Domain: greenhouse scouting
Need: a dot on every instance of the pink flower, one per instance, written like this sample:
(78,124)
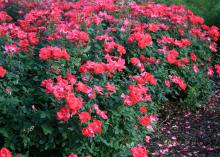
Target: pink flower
(73,155)
(195,68)
(153,118)
(139,151)
(150,128)
(4,152)
(63,114)
(217,68)
(210,71)
(71,78)
(179,81)
(110,87)
(13,48)
(99,112)
(98,89)
(167,83)
(147,139)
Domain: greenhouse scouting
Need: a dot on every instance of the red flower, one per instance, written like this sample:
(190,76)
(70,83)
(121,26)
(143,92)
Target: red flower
(182,85)
(63,114)
(2,72)
(185,60)
(83,87)
(217,67)
(145,40)
(53,52)
(181,31)
(214,32)
(96,126)
(139,151)
(84,117)
(92,128)
(149,78)
(171,59)
(24,43)
(142,39)
(83,36)
(4,152)
(137,93)
(145,121)
(45,53)
(73,155)
(196,19)
(71,78)
(152,27)
(171,56)
(33,39)
(77,35)
(58,53)
(83,69)
(134,61)
(74,102)
(87,132)
(193,57)
(99,68)
(143,109)
(4,16)
(121,50)
(179,81)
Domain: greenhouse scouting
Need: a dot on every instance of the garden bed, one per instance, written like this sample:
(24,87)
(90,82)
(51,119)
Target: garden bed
(189,133)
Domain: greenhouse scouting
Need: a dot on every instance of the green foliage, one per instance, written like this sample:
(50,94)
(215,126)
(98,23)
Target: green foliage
(29,121)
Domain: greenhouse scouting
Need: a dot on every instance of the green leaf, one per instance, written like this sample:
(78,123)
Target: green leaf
(4,132)
(47,129)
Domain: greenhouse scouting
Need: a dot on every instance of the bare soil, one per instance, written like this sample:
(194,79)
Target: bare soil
(186,134)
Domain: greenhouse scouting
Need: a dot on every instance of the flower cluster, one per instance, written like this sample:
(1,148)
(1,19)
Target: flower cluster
(92,128)
(143,39)
(137,93)
(177,80)
(53,53)
(113,64)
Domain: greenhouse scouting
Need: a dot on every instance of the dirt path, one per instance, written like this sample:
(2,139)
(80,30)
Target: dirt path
(190,134)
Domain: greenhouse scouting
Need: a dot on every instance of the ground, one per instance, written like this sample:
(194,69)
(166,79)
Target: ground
(195,134)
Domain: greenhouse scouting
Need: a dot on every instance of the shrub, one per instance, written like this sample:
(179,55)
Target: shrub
(87,77)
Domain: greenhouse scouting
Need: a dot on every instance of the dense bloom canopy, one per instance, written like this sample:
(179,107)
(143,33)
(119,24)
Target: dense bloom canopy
(101,68)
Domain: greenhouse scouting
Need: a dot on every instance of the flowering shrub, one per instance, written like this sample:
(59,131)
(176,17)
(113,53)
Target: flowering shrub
(86,78)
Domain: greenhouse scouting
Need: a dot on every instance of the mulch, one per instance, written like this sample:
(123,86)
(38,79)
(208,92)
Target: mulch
(187,134)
